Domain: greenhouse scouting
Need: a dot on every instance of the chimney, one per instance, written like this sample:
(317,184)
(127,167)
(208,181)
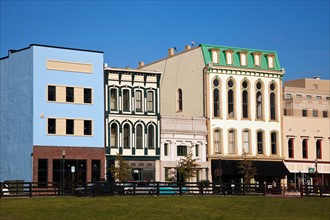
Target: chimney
(187,47)
(317,77)
(141,64)
(170,52)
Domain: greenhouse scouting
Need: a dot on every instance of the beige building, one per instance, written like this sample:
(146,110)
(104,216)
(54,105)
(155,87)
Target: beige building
(306,130)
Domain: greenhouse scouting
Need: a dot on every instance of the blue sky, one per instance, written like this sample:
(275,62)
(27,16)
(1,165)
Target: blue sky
(132,31)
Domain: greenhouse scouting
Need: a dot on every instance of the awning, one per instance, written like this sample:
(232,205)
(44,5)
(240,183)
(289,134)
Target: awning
(264,168)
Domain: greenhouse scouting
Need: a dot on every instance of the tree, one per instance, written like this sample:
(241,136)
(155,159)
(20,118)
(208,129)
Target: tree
(120,171)
(186,168)
(247,169)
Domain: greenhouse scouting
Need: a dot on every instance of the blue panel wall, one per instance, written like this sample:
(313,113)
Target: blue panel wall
(16,130)
(43,77)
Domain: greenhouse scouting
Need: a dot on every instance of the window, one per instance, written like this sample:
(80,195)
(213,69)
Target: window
(305,148)
(291,147)
(217,141)
(325,113)
(243,58)
(319,149)
(151,136)
(139,137)
(232,142)
(138,101)
(87,127)
(230,99)
(298,96)
(257,59)
(126,102)
(113,100)
(270,61)
(215,53)
(87,95)
(260,142)
(114,135)
(216,104)
(304,113)
(179,107)
(166,149)
(259,105)
(327,98)
(51,93)
(51,126)
(197,150)
(272,101)
(150,100)
(308,96)
(315,113)
(181,150)
(273,138)
(69,126)
(69,94)
(318,97)
(288,95)
(127,135)
(229,57)
(245,100)
(42,172)
(246,142)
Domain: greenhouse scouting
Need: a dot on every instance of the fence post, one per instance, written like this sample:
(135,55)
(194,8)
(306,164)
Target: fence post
(223,189)
(265,189)
(157,185)
(180,188)
(243,189)
(301,190)
(30,189)
(201,188)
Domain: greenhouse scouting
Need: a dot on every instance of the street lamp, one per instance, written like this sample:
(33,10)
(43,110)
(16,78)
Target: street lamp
(317,179)
(63,166)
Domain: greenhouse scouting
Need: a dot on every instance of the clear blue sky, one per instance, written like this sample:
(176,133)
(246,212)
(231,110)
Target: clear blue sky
(132,31)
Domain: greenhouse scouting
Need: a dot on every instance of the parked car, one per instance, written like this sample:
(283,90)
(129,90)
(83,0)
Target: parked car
(171,189)
(140,188)
(92,189)
(4,189)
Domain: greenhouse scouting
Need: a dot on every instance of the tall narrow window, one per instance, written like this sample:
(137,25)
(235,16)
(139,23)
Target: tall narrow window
(151,136)
(270,61)
(315,113)
(126,102)
(259,101)
(87,95)
(319,149)
(216,106)
(127,135)
(245,100)
(229,57)
(113,99)
(304,113)
(51,126)
(139,136)
(196,150)
(114,135)
(230,99)
(150,100)
(305,148)
(260,142)
(257,59)
(69,94)
(166,149)
(273,138)
(243,58)
(291,147)
(69,126)
(246,142)
(180,101)
(51,93)
(272,100)
(232,142)
(87,127)
(138,101)
(217,141)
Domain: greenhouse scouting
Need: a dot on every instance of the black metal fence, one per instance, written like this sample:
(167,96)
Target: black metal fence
(29,189)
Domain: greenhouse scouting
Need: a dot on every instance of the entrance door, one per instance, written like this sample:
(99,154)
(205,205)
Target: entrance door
(136,173)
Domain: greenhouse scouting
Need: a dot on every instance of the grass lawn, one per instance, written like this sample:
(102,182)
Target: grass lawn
(165,207)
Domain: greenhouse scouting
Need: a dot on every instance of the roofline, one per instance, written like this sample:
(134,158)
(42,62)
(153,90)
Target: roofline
(50,46)
(131,70)
(239,48)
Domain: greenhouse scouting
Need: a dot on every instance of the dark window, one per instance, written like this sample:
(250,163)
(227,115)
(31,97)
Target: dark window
(51,126)
(245,104)
(139,137)
(318,149)
(138,101)
(151,137)
(315,113)
(126,136)
(304,113)
(96,170)
(291,147)
(69,126)
(272,106)
(126,102)
(273,142)
(260,142)
(216,83)
(51,93)
(305,148)
(42,172)
(69,94)
(230,103)
(114,135)
(87,95)
(197,150)
(166,149)
(87,127)
(181,150)
(216,103)
(325,114)
(180,100)
(113,100)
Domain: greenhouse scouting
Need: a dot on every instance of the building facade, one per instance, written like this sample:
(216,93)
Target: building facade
(133,121)
(52,118)
(306,137)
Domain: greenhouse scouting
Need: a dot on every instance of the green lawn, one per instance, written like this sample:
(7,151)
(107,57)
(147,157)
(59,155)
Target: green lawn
(165,207)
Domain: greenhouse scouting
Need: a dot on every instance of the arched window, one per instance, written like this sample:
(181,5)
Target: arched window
(259,101)
(180,101)
(138,101)
(272,101)
(216,103)
(114,135)
(246,142)
(217,141)
(127,135)
(232,141)
(260,142)
(273,138)
(151,136)
(150,101)
(245,100)
(139,136)
(113,99)
(231,98)
(126,100)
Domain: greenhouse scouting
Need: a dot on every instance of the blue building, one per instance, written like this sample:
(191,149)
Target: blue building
(52,115)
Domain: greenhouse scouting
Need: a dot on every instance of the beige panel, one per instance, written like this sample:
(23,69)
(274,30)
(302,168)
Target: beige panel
(152,79)
(69,66)
(126,77)
(60,94)
(78,95)
(60,126)
(113,76)
(139,78)
(79,127)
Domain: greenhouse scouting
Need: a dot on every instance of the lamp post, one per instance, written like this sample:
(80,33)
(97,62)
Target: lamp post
(316,172)
(63,169)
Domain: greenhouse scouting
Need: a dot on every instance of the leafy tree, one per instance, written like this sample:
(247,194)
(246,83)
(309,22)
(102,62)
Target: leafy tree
(120,171)
(186,168)
(247,169)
